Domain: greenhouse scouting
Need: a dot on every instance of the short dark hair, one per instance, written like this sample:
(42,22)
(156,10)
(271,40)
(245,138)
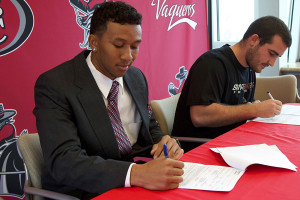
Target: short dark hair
(267,27)
(118,12)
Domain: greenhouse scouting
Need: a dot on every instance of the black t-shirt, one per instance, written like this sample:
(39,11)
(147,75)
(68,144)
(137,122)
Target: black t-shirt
(216,77)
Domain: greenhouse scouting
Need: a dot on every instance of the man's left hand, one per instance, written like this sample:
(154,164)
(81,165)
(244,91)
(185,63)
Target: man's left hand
(175,152)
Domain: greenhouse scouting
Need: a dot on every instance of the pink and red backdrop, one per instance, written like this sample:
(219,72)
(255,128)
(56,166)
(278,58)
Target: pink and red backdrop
(36,36)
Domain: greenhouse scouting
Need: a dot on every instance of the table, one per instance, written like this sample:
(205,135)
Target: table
(291,68)
(258,182)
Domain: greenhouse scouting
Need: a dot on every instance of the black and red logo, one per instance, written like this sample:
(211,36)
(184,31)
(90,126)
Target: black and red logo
(12,173)
(16,25)
(84,10)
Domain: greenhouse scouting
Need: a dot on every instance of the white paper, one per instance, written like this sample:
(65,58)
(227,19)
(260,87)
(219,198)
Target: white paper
(242,156)
(289,115)
(219,178)
(209,177)
(290,110)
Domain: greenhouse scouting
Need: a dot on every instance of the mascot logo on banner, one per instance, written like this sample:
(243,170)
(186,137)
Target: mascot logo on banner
(181,76)
(84,10)
(177,15)
(16,30)
(11,163)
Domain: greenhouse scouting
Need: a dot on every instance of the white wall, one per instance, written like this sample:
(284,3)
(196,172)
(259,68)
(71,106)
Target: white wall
(294,53)
(263,8)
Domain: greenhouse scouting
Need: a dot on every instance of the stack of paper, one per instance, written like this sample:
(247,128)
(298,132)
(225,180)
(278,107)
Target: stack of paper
(219,178)
(242,156)
(289,115)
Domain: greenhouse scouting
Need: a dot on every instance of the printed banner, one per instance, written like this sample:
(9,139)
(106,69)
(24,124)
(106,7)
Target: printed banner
(36,36)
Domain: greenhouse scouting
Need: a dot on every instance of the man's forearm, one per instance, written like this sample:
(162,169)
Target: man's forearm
(216,115)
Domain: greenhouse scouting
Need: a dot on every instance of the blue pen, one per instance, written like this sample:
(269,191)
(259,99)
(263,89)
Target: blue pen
(166,151)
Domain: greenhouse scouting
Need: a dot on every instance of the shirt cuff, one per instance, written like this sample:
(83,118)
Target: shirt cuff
(127,180)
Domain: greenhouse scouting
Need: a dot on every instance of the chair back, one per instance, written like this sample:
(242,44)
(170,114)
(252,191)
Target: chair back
(31,151)
(283,88)
(164,112)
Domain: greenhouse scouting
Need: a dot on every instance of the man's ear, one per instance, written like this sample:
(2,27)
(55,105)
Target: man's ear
(253,40)
(93,40)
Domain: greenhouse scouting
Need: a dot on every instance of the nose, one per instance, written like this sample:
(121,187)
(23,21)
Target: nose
(127,55)
(272,62)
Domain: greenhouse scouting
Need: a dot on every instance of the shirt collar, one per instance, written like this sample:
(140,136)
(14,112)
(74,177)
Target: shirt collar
(104,83)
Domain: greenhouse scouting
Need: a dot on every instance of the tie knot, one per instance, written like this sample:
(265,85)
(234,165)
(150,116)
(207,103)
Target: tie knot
(114,90)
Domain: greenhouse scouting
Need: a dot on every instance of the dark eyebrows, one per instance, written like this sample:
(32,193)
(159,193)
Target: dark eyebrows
(123,40)
(120,39)
(274,52)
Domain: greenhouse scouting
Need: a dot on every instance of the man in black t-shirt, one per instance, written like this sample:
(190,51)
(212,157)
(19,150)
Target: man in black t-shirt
(218,94)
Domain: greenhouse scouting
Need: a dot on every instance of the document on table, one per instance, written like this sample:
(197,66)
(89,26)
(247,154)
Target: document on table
(289,115)
(209,177)
(220,178)
(241,157)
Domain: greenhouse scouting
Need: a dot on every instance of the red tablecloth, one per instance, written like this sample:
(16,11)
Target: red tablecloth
(258,182)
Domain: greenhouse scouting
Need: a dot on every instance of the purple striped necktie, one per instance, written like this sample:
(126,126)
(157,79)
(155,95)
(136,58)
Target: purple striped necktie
(114,115)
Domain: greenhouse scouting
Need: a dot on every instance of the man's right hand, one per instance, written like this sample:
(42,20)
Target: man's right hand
(268,108)
(159,174)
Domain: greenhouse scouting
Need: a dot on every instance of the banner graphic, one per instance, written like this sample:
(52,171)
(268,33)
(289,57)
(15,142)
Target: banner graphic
(36,36)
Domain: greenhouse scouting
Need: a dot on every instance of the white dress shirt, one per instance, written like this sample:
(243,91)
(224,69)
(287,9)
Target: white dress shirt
(130,117)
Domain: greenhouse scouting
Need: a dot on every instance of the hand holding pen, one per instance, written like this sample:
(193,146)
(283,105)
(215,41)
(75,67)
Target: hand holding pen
(268,108)
(159,173)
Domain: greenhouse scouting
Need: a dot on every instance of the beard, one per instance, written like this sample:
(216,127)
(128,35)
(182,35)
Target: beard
(253,60)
